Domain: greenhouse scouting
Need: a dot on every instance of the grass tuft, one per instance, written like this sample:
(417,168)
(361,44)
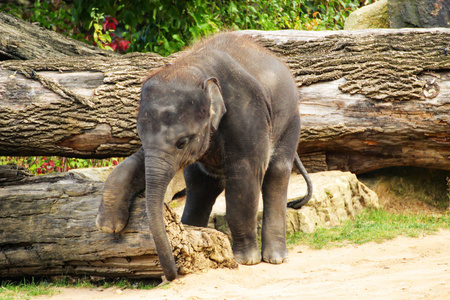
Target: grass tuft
(24,290)
(28,288)
(372,226)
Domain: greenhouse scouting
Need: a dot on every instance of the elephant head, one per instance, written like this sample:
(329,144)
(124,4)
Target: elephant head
(176,118)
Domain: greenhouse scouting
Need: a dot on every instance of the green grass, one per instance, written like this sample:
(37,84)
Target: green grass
(372,226)
(26,289)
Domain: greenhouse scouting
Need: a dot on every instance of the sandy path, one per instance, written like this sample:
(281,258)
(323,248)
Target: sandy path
(403,268)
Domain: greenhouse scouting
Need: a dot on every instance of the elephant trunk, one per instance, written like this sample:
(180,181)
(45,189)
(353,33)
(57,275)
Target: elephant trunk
(158,172)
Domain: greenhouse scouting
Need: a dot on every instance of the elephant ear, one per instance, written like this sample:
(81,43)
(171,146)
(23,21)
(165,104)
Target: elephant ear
(217,108)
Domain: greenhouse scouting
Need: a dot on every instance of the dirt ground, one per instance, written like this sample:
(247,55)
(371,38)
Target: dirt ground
(403,268)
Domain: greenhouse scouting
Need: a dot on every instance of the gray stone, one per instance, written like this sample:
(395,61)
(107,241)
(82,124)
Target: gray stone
(95,174)
(421,14)
(338,196)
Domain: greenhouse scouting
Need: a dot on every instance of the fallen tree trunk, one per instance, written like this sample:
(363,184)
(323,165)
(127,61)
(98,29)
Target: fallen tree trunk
(48,228)
(369,99)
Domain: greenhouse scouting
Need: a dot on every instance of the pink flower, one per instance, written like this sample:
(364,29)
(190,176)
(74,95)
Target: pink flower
(120,45)
(123,45)
(110,24)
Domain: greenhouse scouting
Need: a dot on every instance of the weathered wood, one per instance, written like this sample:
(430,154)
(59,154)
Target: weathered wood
(93,113)
(22,40)
(360,134)
(48,228)
(369,99)
(12,174)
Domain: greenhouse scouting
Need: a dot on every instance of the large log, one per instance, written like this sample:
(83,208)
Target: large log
(369,99)
(48,228)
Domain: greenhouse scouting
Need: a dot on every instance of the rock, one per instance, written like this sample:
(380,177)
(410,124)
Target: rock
(421,14)
(95,174)
(176,185)
(338,196)
(400,14)
(374,15)
(100,174)
(306,220)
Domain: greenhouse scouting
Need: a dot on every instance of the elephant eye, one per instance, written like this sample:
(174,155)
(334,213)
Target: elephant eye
(181,143)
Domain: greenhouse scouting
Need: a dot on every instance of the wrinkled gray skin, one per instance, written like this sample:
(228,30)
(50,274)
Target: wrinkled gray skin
(227,113)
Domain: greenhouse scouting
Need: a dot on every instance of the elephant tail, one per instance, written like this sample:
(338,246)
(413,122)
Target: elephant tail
(298,203)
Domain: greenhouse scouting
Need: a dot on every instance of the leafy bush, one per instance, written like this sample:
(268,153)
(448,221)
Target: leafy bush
(165,27)
(39,165)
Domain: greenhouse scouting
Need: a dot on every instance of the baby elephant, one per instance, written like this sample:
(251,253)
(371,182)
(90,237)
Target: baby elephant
(226,112)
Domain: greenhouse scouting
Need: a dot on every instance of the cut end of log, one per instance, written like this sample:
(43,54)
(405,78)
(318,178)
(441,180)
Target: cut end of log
(197,248)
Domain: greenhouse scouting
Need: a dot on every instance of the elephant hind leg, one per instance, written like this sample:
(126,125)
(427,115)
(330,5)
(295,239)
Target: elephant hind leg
(243,187)
(274,192)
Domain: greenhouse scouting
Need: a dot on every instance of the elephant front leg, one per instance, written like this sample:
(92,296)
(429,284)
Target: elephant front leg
(124,182)
(201,193)
(242,192)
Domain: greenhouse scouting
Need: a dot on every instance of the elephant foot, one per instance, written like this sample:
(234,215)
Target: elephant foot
(276,260)
(248,256)
(111,222)
(275,256)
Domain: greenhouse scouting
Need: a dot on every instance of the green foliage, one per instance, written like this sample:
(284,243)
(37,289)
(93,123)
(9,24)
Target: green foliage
(165,27)
(55,15)
(39,165)
(102,38)
(372,226)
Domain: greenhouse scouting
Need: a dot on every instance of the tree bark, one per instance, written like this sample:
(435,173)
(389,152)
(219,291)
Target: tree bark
(369,99)
(48,228)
